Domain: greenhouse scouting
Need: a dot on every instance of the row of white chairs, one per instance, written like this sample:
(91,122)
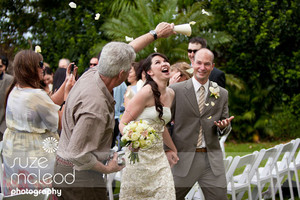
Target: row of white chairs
(267,166)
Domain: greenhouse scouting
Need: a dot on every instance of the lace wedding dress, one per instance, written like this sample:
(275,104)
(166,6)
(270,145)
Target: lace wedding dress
(151,177)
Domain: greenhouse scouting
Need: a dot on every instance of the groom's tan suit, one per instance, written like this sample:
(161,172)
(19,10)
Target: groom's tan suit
(205,167)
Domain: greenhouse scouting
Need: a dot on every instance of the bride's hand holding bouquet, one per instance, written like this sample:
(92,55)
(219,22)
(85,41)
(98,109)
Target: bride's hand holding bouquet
(138,135)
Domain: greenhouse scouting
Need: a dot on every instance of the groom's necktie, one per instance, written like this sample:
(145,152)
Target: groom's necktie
(201,101)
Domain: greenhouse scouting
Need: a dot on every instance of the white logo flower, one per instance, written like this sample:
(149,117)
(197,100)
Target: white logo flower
(50,144)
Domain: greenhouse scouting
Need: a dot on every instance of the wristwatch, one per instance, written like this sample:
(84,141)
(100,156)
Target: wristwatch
(152,32)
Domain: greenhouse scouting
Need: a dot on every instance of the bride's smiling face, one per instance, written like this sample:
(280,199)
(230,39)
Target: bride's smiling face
(160,68)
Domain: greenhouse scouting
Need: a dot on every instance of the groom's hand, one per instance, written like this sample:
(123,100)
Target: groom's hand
(172,157)
(224,123)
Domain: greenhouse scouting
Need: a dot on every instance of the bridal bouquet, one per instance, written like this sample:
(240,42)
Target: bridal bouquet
(138,134)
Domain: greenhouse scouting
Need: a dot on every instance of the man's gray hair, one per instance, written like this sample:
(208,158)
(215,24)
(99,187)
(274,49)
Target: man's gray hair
(115,56)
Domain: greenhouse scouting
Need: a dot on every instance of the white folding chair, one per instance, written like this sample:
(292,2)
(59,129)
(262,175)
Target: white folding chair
(227,161)
(295,166)
(281,168)
(222,143)
(195,193)
(235,186)
(116,176)
(263,174)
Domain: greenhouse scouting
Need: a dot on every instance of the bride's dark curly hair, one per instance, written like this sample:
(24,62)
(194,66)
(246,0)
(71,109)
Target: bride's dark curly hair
(146,65)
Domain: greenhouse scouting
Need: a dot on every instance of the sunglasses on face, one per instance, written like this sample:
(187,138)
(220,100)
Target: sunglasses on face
(192,50)
(41,64)
(94,64)
(1,66)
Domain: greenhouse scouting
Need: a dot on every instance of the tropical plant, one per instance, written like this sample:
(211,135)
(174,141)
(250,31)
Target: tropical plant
(147,14)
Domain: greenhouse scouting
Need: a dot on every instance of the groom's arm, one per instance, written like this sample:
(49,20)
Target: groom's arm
(224,125)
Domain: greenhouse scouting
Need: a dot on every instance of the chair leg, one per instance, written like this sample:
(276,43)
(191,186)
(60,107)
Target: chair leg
(259,188)
(278,186)
(255,194)
(272,189)
(294,171)
(290,185)
(249,193)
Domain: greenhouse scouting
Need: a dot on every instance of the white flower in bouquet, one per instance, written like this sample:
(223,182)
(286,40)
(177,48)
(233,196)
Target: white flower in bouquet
(135,136)
(138,134)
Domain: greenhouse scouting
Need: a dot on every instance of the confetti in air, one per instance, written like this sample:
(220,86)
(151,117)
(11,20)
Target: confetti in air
(128,39)
(72,5)
(97,16)
(205,12)
(37,49)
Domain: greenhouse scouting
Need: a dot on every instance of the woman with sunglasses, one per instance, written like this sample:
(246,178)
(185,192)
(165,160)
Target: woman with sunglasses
(32,120)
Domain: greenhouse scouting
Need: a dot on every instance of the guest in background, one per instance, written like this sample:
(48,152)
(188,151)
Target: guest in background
(32,120)
(119,92)
(48,79)
(5,82)
(60,74)
(180,71)
(132,80)
(216,75)
(93,63)
(141,76)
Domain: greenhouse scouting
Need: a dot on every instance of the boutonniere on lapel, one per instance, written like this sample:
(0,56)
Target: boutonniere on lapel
(214,90)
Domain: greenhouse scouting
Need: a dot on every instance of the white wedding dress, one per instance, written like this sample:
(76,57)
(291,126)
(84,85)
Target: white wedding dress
(151,177)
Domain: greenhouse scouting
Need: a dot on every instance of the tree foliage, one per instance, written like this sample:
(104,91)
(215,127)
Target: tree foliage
(265,55)
(62,32)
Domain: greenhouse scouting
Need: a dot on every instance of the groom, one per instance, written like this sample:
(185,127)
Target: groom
(200,114)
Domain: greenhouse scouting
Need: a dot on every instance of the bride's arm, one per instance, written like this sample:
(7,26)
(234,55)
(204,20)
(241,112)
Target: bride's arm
(168,140)
(172,153)
(136,106)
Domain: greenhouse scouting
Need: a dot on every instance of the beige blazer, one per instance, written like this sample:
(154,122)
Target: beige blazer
(187,120)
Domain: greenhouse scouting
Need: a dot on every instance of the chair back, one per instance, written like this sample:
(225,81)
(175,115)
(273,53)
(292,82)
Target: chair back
(271,156)
(286,152)
(239,162)
(227,162)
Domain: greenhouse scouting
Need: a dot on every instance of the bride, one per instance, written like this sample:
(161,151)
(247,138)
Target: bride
(151,177)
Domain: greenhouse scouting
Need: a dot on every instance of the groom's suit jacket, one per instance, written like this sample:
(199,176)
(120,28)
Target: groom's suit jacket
(187,121)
